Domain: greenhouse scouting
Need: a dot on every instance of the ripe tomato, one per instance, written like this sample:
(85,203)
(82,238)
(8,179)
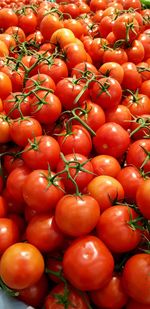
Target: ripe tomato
(136,278)
(49,236)
(8,18)
(113,70)
(122,236)
(49,24)
(118,55)
(121,115)
(88,264)
(137,104)
(112,295)
(106,190)
(5,85)
(4,52)
(106,165)
(41,191)
(21,266)
(135,52)
(9,234)
(75,26)
(137,155)
(133,304)
(15,105)
(41,80)
(145,88)
(40,153)
(4,129)
(111,139)
(130,178)
(27,21)
(80,169)
(122,28)
(78,141)
(132,80)
(34,294)
(67,295)
(62,37)
(142,198)
(55,68)
(75,54)
(21,130)
(16,32)
(84,212)
(3,207)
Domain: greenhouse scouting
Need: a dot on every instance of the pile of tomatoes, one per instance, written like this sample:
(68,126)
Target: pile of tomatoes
(75,153)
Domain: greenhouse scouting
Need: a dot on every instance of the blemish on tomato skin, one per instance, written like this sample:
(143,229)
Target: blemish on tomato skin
(105,146)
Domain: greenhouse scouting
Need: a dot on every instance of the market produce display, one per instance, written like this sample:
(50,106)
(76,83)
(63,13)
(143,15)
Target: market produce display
(75,153)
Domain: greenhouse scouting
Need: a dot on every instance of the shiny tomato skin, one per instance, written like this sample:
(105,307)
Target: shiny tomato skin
(34,294)
(120,237)
(136,154)
(21,266)
(120,115)
(83,212)
(112,69)
(40,152)
(136,279)
(130,178)
(143,198)
(106,165)
(111,139)
(5,85)
(111,296)
(49,239)
(9,234)
(39,193)
(74,298)
(94,263)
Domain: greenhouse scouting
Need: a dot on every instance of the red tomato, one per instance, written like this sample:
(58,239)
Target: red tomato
(34,294)
(137,104)
(88,264)
(130,178)
(122,236)
(132,79)
(74,54)
(135,52)
(21,130)
(56,69)
(42,191)
(106,190)
(9,234)
(122,28)
(118,55)
(5,85)
(8,18)
(106,165)
(121,115)
(111,139)
(49,237)
(113,70)
(21,266)
(27,21)
(49,24)
(112,295)
(140,127)
(133,304)
(15,105)
(3,207)
(136,279)
(17,33)
(143,198)
(145,88)
(38,81)
(4,129)
(40,153)
(137,155)
(83,212)
(67,295)
(80,169)
(78,141)
(54,264)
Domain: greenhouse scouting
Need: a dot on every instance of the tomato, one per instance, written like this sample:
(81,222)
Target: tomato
(75,26)
(49,236)
(61,295)
(40,153)
(83,212)
(8,40)
(130,178)
(55,68)
(136,280)
(132,80)
(143,69)
(135,52)
(36,37)
(34,294)
(140,127)
(117,55)
(15,105)
(111,139)
(121,237)
(4,52)
(121,115)
(145,40)
(85,70)
(38,81)
(9,234)
(27,21)
(105,165)
(142,198)
(78,141)
(12,160)
(54,264)
(106,190)
(49,24)
(112,295)
(137,104)
(4,129)
(68,89)
(96,5)
(15,181)
(74,54)
(62,37)
(88,264)
(8,18)
(80,170)
(145,88)
(106,92)
(21,130)
(17,33)
(45,107)
(97,49)
(126,27)
(135,4)
(137,155)
(5,85)
(19,221)
(21,266)
(113,70)
(71,9)
(3,207)
(42,191)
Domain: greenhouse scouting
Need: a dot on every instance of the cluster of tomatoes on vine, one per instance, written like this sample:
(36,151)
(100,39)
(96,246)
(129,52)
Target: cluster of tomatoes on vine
(75,153)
